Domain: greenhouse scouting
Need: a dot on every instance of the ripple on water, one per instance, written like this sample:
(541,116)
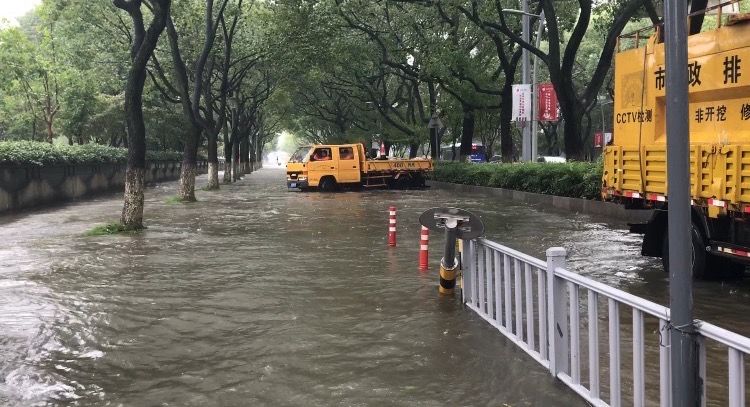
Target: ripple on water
(257,296)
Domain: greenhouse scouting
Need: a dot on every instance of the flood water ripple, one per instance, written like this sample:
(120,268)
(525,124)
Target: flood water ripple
(259,296)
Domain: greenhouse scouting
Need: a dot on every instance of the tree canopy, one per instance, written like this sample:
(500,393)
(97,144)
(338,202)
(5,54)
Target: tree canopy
(233,74)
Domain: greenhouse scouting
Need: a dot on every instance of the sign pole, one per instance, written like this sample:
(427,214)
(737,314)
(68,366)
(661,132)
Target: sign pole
(683,352)
(535,95)
(526,131)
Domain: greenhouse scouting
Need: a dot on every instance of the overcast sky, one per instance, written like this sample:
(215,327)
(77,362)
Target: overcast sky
(11,9)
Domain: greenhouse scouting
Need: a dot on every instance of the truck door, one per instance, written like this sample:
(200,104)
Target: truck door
(321,164)
(348,165)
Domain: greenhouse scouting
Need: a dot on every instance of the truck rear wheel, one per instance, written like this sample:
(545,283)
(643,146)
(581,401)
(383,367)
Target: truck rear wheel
(698,255)
(418,181)
(327,184)
(724,267)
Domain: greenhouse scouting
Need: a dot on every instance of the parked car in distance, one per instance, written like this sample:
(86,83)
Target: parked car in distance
(496,159)
(550,159)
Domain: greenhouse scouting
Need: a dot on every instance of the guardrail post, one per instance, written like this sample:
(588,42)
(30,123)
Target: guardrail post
(467,270)
(557,313)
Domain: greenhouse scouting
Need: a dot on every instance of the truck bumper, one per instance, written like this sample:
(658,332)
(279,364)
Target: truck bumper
(296,184)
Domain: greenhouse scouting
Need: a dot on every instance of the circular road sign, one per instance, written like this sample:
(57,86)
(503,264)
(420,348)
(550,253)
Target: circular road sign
(467,225)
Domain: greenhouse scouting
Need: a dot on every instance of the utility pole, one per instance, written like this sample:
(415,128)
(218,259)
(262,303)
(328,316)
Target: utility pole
(526,79)
(535,94)
(683,348)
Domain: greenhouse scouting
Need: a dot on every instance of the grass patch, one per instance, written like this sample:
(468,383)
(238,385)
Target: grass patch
(109,229)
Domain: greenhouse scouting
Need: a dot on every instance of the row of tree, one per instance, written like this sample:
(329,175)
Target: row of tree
(387,67)
(199,75)
(214,68)
(195,76)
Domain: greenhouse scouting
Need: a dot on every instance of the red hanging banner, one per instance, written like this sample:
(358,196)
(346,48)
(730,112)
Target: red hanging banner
(598,139)
(547,102)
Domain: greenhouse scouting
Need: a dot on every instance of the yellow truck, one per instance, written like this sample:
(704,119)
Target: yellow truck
(635,168)
(328,167)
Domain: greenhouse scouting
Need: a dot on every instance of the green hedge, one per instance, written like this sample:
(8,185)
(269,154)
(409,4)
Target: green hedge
(572,179)
(38,153)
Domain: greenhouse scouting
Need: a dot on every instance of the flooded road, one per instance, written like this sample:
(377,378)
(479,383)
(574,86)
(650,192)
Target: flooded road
(259,296)
(252,296)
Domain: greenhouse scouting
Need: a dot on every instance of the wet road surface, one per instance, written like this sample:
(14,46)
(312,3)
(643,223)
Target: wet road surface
(251,296)
(259,296)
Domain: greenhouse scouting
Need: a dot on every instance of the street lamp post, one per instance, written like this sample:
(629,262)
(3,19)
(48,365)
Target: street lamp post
(526,149)
(684,358)
(535,93)
(530,143)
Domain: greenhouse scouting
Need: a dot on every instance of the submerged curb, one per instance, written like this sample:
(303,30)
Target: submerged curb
(612,211)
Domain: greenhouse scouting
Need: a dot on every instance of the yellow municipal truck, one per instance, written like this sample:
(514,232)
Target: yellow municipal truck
(635,168)
(328,167)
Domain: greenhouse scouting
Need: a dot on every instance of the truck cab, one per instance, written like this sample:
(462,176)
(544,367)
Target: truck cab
(325,166)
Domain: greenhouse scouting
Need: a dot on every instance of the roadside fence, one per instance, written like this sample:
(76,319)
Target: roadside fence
(609,346)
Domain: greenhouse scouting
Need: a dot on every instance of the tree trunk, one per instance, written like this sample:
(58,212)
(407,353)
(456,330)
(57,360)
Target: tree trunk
(236,160)
(434,143)
(142,48)
(186,188)
(213,176)
(228,170)
(213,162)
(245,157)
(413,150)
(696,21)
(258,153)
(573,115)
(467,133)
(50,133)
(227,157)
(506,129)
(132,210)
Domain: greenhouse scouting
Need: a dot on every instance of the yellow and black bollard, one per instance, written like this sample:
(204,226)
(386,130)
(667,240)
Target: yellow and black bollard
(449,265)
(458,224)
(447,278)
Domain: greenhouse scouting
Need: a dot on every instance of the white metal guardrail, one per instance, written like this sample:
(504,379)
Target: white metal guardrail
(537,305)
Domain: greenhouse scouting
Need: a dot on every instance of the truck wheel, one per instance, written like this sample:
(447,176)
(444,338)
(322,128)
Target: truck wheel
(418,181)
(403,182)
(698,254)
(327,184)
(723,267)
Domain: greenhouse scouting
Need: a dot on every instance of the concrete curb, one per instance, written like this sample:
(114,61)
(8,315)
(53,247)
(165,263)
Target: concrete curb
(609,210)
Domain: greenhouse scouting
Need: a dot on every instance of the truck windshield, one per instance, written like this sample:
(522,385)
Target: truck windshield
(299,155)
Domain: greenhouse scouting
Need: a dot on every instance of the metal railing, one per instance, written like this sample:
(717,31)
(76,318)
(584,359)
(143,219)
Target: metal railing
(537,305)
(645,32)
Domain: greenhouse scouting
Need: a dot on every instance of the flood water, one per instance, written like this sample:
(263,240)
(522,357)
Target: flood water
(259,296)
